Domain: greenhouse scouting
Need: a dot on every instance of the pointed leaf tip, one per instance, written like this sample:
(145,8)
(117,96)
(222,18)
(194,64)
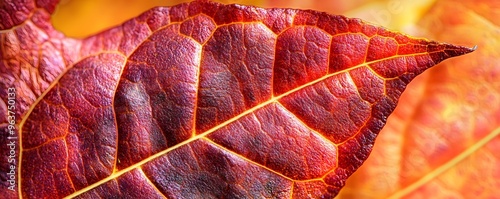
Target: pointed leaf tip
(442,51)
(452,50)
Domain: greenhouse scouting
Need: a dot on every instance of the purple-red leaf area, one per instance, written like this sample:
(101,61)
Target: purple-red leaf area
(223,101)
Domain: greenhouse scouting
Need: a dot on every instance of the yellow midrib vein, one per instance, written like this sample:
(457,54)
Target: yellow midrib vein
(251,110)
(448,165)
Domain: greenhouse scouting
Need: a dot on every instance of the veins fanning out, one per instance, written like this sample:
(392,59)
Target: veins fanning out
(225,123)
(315,132)
(245,158)
(150,182)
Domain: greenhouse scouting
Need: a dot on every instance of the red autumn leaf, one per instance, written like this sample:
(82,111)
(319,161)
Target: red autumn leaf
(202,99)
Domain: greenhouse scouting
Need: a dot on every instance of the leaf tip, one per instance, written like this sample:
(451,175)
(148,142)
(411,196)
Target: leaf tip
(473,48)
(456,50)
(467,50)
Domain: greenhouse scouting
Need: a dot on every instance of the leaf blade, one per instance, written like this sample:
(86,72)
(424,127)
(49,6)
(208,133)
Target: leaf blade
(303,18)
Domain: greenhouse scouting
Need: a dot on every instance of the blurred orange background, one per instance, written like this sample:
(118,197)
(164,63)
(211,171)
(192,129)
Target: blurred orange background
(442,140)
